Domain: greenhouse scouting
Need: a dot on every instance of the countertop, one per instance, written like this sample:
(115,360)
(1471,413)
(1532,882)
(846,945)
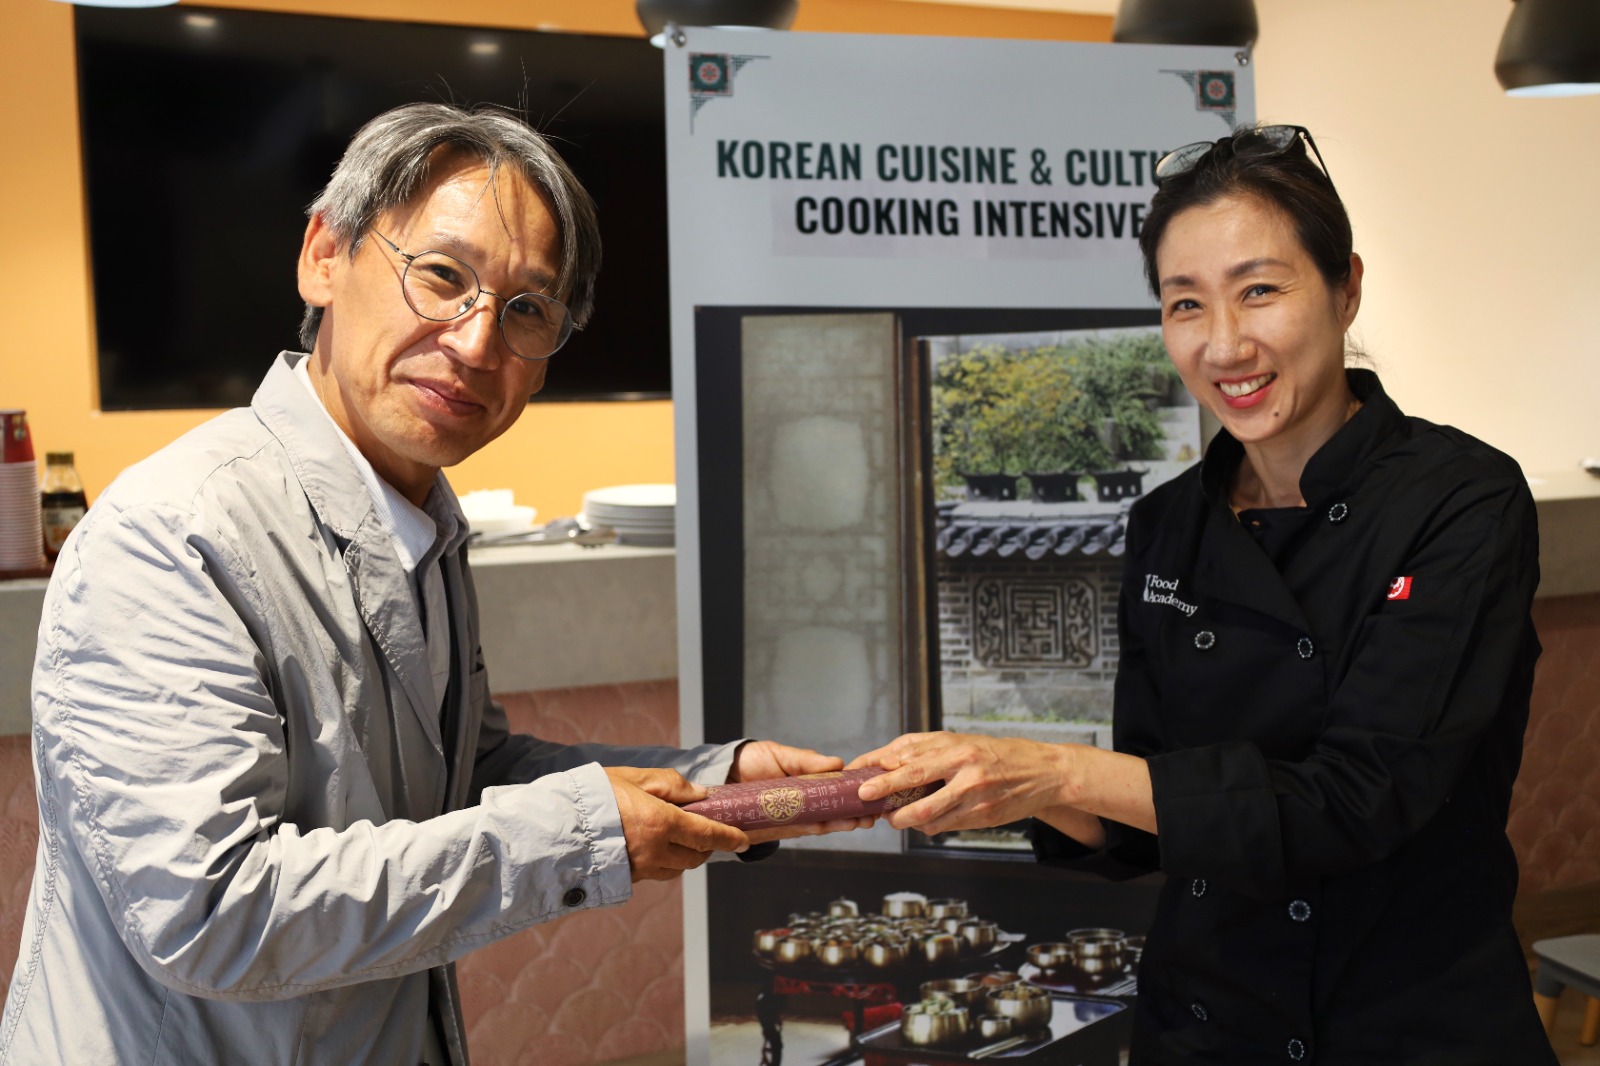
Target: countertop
(1569,531)
(553,617)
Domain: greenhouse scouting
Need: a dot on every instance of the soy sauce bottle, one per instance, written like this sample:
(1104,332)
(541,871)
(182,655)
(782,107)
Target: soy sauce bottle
(61,499)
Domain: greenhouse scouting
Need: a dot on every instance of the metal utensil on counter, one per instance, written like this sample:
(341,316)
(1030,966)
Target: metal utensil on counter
(555,531)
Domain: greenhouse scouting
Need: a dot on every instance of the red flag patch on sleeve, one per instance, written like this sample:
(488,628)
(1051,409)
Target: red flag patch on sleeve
(1399,589)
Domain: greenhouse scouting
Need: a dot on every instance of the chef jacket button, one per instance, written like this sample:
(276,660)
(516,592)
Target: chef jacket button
(1305,648)
(1338,512)
(574,897)
(1205,640)
(1198,887)
(1300,910)
(1199,1011)
(1297,1049)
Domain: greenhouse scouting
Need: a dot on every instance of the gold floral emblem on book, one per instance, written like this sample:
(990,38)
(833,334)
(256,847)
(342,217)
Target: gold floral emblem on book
(782,803)
(903,797)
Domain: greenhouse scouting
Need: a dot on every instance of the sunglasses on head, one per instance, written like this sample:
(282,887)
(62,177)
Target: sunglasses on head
(1266,141)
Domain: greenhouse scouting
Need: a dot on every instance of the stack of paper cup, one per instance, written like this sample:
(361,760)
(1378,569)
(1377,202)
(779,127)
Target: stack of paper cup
(21,534)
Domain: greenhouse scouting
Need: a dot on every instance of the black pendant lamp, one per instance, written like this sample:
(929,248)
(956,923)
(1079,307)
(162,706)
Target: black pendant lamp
(1222,22)
(760,14)
(1550,48)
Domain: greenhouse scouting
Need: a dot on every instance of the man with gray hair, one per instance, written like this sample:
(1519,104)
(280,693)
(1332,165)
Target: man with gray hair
(276,801)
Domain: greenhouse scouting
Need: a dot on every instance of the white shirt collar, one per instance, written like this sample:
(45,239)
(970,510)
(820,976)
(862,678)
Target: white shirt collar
(412,529)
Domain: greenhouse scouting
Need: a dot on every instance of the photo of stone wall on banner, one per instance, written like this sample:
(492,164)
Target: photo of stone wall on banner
(822,552)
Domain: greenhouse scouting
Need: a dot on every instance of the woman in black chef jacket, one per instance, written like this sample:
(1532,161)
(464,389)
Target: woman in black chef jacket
(1326,659)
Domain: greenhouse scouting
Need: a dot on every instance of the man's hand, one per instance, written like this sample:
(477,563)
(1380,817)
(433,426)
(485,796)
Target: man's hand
(664,840)
(760,760)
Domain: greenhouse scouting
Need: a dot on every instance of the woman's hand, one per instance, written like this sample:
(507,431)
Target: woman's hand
(988,781)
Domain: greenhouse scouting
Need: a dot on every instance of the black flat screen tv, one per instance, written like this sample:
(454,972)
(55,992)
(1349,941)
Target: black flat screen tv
(206,132)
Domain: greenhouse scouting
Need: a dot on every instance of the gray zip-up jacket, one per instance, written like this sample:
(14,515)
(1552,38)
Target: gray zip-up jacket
(259,839)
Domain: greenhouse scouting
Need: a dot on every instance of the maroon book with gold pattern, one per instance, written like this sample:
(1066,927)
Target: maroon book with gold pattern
(798,800)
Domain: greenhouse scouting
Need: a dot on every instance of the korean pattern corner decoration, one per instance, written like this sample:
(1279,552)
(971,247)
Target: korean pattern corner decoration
(711,76)
(1213,91)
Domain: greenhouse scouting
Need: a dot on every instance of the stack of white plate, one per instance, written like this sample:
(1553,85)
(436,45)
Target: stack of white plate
(21,534)
(641,514)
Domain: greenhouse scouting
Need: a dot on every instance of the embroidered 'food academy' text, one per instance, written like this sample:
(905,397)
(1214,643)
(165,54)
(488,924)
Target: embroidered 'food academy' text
(1164,590)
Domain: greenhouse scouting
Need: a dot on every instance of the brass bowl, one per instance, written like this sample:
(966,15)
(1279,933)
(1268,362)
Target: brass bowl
(794,949)
(905,905)
(934,1022)
(843,908)
(1133,950)
(991,1027)
(767,940)
(1099,966)
(1051,956)
(941,947)
(837,951)
(951,925)
(884,954)
(1092,942)
(958,990)
(1098,948)
(1028,1007)
(979,935)
(947,908)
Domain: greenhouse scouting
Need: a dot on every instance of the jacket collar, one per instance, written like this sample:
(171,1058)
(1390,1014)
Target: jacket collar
(382,587)
(330,480)
(1232,566)
(1333,465)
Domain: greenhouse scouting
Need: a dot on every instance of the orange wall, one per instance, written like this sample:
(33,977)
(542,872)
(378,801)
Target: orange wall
(555,451)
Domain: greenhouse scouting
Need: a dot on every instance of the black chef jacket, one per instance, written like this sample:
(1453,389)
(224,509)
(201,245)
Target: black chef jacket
(1331,701)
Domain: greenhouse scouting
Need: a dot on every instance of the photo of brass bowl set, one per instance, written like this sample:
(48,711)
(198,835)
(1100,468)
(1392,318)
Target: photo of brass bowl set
(940,964)
(912,933)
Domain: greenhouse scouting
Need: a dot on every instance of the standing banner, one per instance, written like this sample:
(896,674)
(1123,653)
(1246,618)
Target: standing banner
(918,381)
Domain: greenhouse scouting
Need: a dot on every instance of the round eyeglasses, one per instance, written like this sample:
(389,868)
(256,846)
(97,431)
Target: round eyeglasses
(442,288)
